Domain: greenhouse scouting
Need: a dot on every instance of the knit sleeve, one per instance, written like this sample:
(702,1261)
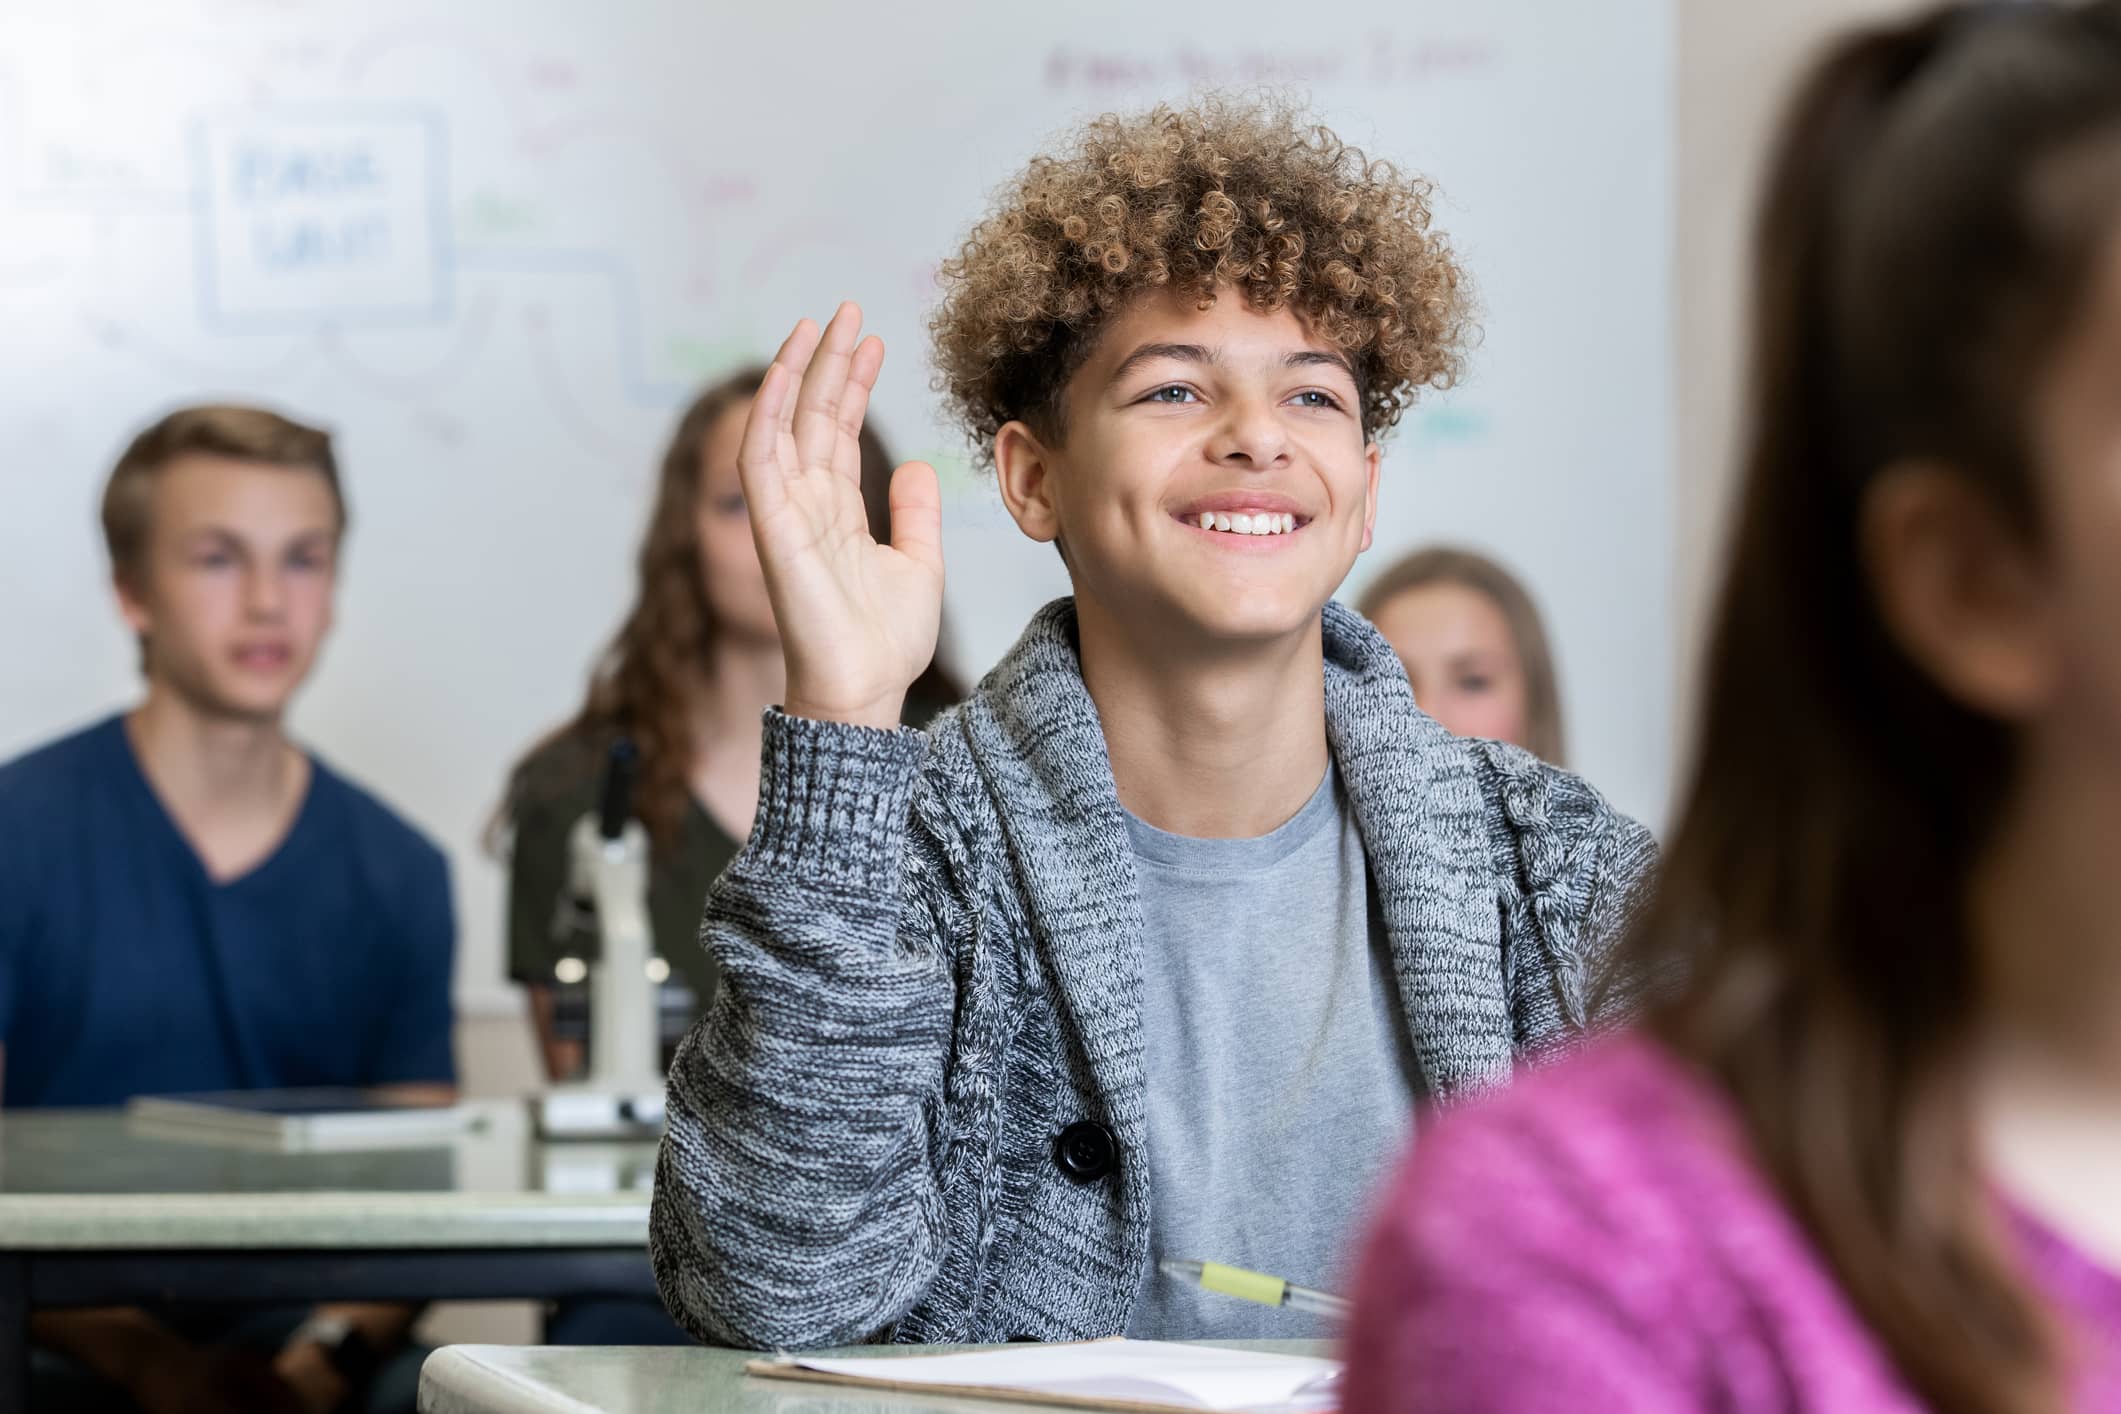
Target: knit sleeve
(798,1195)
(1572,872)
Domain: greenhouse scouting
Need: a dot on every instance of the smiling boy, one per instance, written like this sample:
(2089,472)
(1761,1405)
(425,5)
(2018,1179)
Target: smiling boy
(1149,950)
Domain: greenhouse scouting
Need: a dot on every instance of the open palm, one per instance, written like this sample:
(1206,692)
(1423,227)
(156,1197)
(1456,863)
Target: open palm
(858,620)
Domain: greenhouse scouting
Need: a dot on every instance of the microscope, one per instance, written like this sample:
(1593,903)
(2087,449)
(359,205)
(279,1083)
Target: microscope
(604,913)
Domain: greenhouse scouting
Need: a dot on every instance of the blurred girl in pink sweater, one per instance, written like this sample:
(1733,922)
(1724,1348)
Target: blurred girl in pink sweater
(1868,1155)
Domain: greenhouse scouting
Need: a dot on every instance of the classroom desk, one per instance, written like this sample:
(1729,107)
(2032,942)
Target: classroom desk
(94,1211)
(534,1379)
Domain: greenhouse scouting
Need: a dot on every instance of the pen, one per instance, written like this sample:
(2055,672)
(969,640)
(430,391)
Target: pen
(1253,1286)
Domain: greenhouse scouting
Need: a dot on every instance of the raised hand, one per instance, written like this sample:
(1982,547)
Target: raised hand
(858,620)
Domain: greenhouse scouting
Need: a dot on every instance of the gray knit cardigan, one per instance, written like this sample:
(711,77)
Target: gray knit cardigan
(931,954)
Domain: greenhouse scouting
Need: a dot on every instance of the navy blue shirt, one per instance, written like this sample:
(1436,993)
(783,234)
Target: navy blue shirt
(126,970)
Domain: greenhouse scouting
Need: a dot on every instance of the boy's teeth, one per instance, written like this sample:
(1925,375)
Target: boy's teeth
(1244,523)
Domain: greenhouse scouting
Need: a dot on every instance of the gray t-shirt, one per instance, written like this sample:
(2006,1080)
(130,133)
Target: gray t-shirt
(1281,1079)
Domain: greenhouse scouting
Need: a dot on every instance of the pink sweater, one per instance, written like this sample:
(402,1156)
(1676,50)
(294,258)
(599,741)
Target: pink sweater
(1596,1239)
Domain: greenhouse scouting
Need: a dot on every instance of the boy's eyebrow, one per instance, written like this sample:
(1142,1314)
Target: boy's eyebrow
(310,541)
(1198,353)
(1184,353)
(210,532)
(1304,357)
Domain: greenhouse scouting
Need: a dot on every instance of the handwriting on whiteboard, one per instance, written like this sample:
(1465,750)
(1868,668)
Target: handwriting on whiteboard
(314,217)
(1383,60)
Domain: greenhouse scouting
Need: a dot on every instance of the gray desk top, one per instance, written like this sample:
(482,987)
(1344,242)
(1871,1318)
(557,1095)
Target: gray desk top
(91,1180)
(531,1379)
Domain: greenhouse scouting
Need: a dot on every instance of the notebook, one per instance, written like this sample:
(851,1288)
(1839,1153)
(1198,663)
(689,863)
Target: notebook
(298,1119)
(1153,1376)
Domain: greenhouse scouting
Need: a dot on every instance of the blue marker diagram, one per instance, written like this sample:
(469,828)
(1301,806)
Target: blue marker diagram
(312,218)
(320,219)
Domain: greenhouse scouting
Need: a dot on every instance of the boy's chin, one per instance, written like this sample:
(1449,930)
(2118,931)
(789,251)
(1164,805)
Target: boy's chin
(238,701)
(1174,618)
(1247,617)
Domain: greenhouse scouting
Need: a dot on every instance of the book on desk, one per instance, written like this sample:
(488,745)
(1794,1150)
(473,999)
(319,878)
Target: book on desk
(1145,1376)
(322,1118)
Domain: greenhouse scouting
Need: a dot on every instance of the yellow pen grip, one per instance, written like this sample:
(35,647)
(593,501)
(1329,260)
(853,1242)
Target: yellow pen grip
(1246,1286)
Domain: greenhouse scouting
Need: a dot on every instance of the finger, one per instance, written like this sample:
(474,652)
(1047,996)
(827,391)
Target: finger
(757,459)
(794,356)
(862,369)
(817,404)
(917,515)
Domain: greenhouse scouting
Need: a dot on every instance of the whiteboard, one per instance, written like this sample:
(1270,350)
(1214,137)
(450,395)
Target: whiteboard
(496,245)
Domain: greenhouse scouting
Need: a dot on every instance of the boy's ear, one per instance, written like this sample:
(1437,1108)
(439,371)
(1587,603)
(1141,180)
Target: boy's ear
(1023,467)
(132,606)
(1373,458)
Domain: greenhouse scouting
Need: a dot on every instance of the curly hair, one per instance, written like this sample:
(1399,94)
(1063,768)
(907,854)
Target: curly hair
(1250,196)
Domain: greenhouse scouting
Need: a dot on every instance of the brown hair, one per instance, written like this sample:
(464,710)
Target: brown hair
(1445,564)
(642,685)
(247,434)
(1912,279)
(1190,200)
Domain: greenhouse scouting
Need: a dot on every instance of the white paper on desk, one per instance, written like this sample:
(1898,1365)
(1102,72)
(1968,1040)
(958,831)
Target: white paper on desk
(1143,1371)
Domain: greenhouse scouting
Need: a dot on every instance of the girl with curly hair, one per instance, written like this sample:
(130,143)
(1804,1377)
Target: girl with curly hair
(688,676)
(1147,951)
(1865,1159)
